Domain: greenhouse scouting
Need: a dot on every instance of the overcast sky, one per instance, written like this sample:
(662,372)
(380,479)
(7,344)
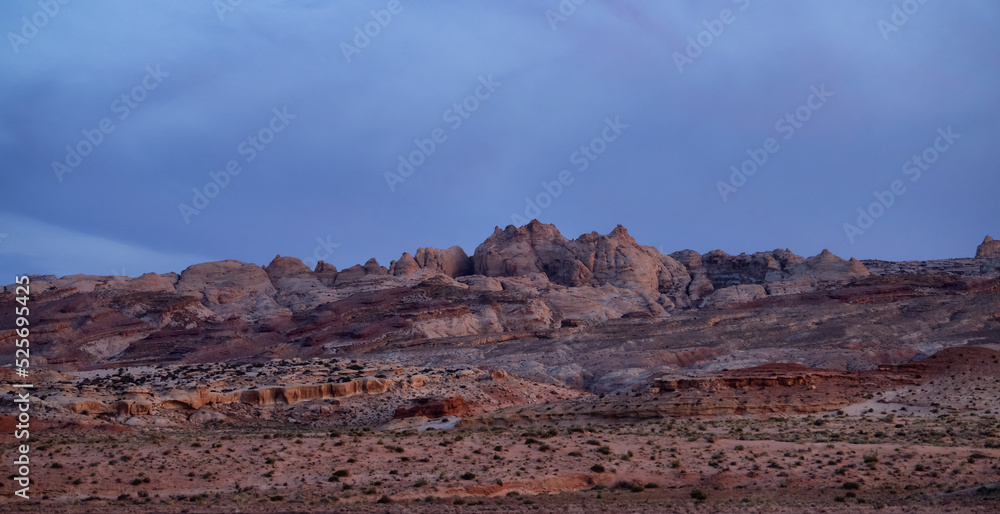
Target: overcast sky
(315,118)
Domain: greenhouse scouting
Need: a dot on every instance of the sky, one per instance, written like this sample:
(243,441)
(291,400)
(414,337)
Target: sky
(149,136)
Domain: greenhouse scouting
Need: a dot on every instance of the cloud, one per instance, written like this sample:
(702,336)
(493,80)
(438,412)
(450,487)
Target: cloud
(324,175)
(34,247)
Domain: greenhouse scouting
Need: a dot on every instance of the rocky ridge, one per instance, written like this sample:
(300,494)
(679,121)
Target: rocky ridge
(579,312)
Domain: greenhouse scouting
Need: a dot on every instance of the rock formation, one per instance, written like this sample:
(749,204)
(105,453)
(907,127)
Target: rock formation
(591,260)
(990,249)
(828,267)
(435,408)
(524,285)
(452,262)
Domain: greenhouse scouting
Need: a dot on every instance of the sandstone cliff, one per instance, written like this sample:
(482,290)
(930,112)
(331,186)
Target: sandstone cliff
(990,249)
(524,285)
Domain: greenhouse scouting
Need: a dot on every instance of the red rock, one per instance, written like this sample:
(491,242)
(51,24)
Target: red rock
(990,249)
(436,408)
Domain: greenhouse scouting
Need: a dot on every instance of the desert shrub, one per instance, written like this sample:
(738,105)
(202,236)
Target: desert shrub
(698,495)
(629,486)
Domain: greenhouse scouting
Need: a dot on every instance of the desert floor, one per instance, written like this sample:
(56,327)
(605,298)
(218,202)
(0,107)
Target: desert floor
(831,463)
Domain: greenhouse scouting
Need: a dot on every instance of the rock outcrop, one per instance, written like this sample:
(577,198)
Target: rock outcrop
(435,408)
(358,271)
(738,294)
(591,260)
(990,266)
(522,284)
(828,267)
(990,249)
(453,262)
(778,272)
(231,288)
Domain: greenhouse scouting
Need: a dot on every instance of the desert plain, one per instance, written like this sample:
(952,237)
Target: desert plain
(539,374)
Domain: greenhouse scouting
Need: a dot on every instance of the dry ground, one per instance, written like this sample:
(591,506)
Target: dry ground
(838,462)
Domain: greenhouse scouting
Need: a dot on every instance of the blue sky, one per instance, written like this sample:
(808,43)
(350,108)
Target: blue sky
(198,86)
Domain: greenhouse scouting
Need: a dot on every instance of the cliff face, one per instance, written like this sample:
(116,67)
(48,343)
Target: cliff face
(202,396)
(522,284)
(590,260)
(990,249)
(783,375)
(941,379)
(436,408)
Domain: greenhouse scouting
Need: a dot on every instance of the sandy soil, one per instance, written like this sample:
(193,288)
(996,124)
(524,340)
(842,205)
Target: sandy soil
(911,464)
